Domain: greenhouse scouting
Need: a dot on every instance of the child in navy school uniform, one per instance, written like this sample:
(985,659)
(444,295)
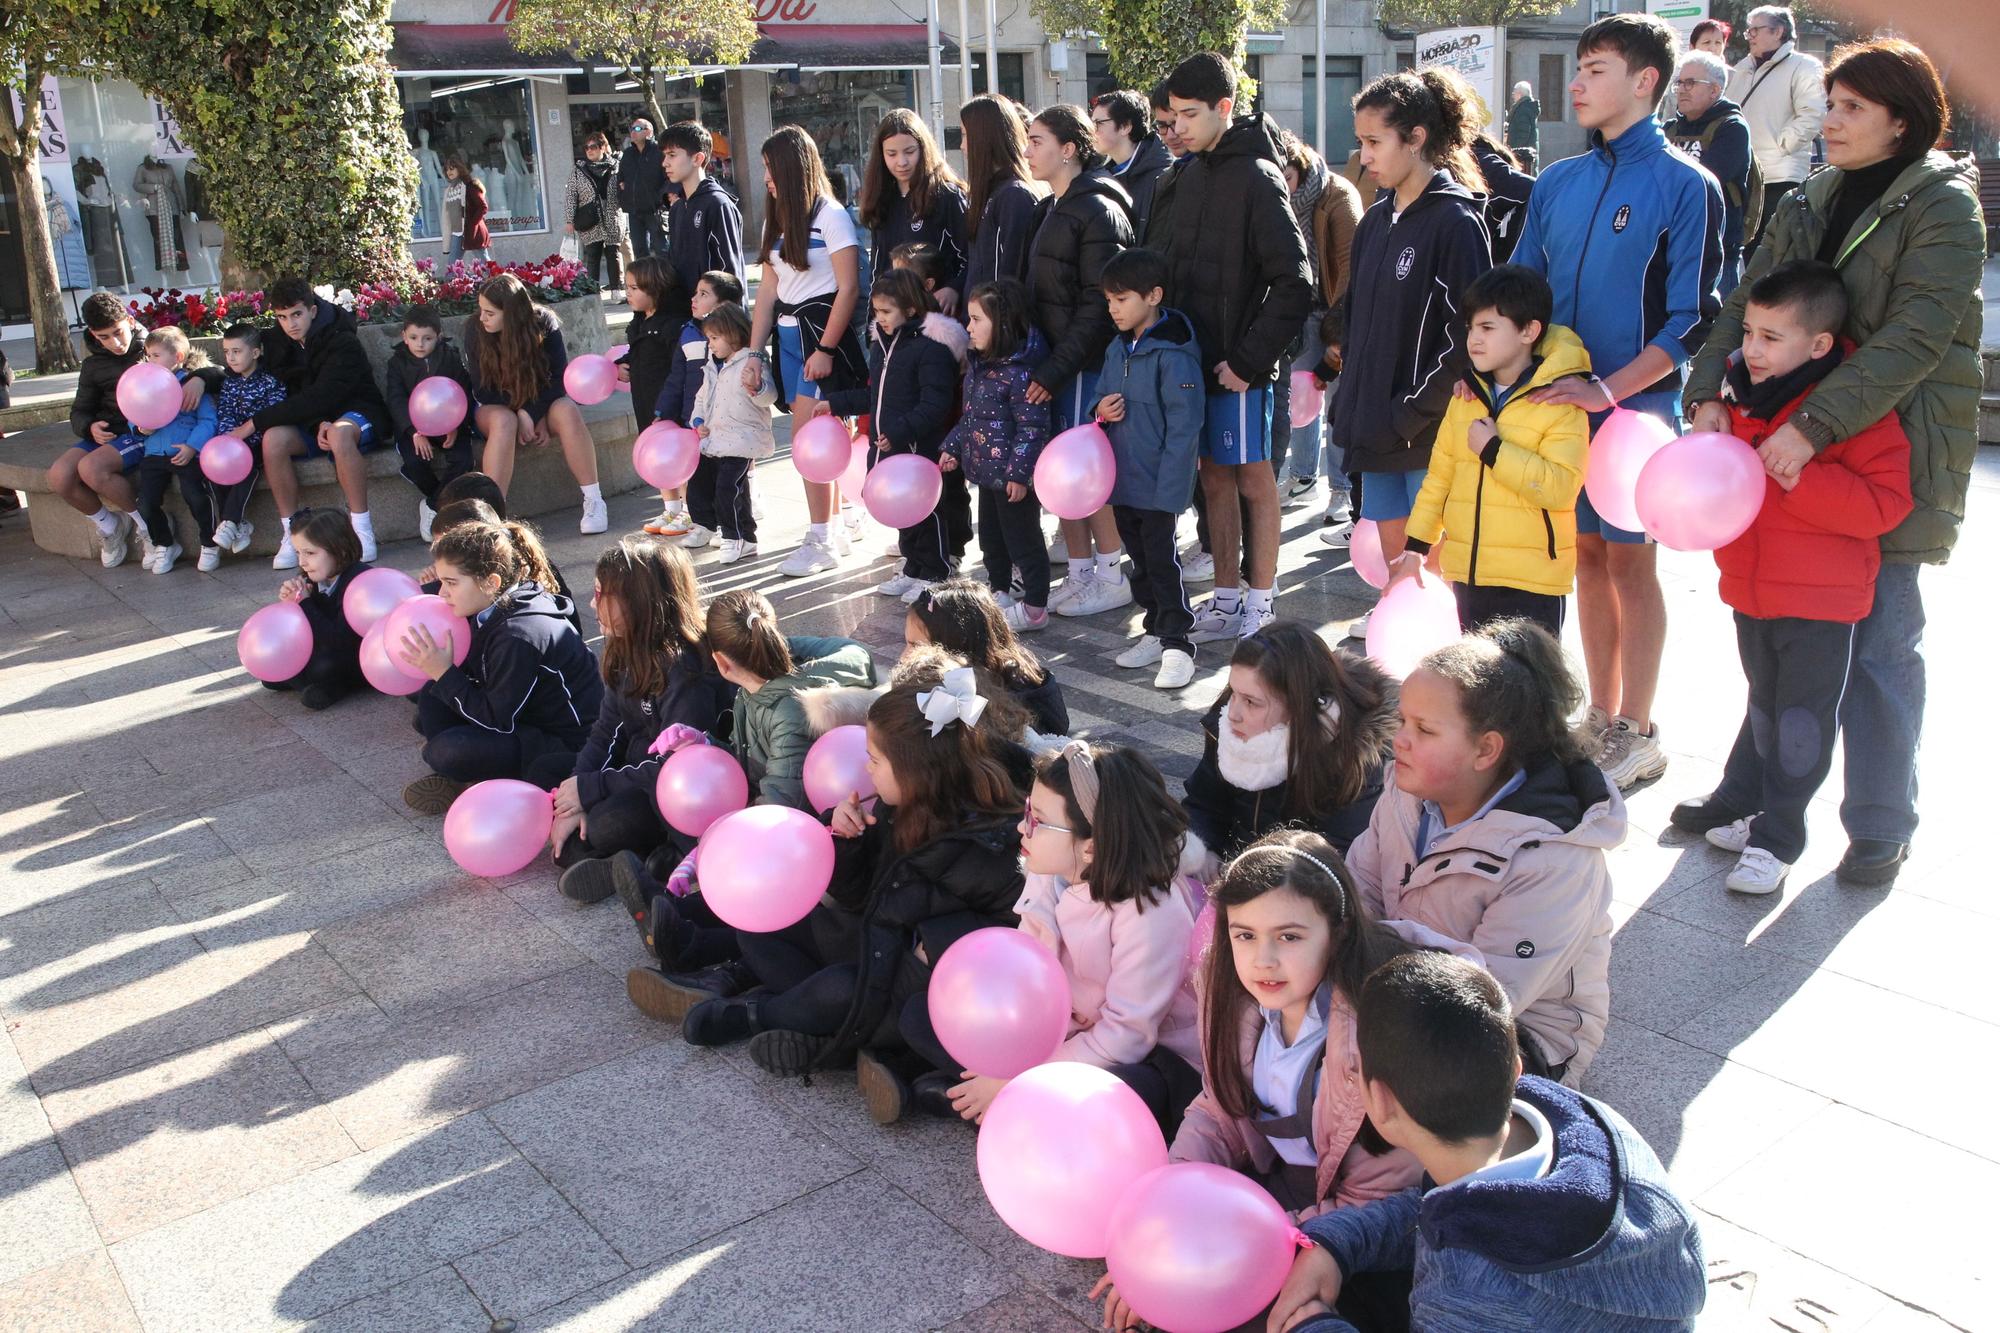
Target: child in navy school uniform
(171,455)
(329,558)
(651,342)
(698,522)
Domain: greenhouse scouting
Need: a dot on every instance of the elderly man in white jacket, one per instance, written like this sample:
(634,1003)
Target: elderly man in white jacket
(1782,92)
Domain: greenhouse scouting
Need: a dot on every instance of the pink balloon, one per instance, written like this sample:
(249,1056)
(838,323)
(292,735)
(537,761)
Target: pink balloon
(1411,620)
(764,868)
(1000,1002)
(276,642)
(1308,399)
(837,767)
(225,460)
(822,449)
(855,478)
(665,455)
(497,827)
(381,667)
(1059,1147)
(1199,1248)
(374,593)
(1073,477)
(1364,548)
(902,490)
(589,379)
(149,395)
(434,614)
(618,353)
(698,785)
(437,406)
(1701,492)
(1618,452)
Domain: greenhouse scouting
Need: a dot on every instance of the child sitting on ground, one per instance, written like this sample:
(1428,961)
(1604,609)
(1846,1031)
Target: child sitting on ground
(246,389)
(329,558)
(1799,579)
(172,455)
(963,616)
(428,461)
(675,403)
(735,429)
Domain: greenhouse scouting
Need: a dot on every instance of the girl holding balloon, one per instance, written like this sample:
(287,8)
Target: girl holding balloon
(329,559)
(963,617)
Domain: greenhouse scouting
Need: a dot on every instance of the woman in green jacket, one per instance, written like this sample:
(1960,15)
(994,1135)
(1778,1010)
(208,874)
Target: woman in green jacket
(1902,224)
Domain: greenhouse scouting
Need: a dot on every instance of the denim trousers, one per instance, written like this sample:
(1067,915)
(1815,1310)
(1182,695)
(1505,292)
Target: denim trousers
(1882,714)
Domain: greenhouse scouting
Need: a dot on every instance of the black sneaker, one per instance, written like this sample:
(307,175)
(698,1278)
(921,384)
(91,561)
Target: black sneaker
(931,1094)
(587,881)
(723,980)
(660,996)
(1702,814)
(432,794)
(1870,863)
(317,697)
(887,1096)
(717,1022)
(634,887)
(785,1053)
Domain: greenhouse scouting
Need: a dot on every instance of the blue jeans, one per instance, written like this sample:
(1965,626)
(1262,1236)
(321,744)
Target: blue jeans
(1882,714)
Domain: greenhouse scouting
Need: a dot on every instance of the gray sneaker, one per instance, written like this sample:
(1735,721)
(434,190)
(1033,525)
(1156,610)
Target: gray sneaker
(1629,756)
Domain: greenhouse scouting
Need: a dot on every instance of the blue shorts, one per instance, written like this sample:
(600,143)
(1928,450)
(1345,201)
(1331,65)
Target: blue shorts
(1236,428)
(1589,523)
(360,422)
(1388,497)
(792,362)
(131,448)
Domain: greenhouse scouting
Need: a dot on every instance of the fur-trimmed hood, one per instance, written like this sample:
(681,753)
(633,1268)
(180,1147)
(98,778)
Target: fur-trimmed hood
(830,706)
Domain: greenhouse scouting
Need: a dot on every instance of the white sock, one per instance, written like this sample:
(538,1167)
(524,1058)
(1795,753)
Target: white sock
(593,494)
(816,532)
(1107,561)
(286,523)
(106,521)
(1259,599)
(1226,600)
(364,526)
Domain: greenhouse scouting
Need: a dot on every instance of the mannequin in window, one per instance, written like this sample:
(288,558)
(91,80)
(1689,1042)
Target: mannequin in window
(159,190)
(492,174)
(430,186)
(93,197)
(522,195)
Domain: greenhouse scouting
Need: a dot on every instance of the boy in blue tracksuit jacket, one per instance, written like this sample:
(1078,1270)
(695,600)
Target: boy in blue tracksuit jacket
(1629,236)
(172,453)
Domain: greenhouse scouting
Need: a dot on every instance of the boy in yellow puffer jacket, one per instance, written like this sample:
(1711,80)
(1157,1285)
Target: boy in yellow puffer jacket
(1497,511)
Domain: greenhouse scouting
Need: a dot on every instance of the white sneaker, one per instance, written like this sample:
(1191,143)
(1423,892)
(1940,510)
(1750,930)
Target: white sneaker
(1059,551)
(1198,566)
(918,587)
(1757,871)
(1022,621)
(1732,837)
(1358,631)
(1631,757)
(1297,492)
(596,517)
(286,558)
(210,561)
(898,584)
(1073,587)
(225,536)
(1249,622)
(1141,654)
(697,537)
(114,546)
(1214,625)
(368,549)
(1176,670)
(1105,593)
(1340,534)
(1339,508)
(148,553)
(244,531)
(734,549)
(425,517)
(811,557)
(164,557)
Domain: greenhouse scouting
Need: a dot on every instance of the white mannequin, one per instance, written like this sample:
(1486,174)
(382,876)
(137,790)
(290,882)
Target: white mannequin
(520,185)
(430,183)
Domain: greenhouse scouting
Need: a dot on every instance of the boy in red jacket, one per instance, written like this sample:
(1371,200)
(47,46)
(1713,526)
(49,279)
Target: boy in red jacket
(1799,579)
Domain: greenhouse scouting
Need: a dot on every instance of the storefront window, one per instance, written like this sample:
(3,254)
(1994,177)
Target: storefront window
(141,198)
(839,109)
(491,124)
(612,114)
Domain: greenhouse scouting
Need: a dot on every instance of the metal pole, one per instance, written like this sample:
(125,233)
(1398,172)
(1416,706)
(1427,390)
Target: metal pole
(937,69)
(992,48)
(964,51)
(1319,74)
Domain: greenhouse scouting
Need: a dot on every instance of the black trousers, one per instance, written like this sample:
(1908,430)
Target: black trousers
(1482,605)
(155,472)
(428,476)
(465,752)
(809,968)
(1010,537)
(956,506)
(607,251)
(728,498)
(626,821)
(1797,671)
(233,501)
(330,667)
(701,494)
(1148,535)
(925,546)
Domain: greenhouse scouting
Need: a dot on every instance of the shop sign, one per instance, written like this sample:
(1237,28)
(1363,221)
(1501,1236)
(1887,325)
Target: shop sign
(1476,53)
(167,141)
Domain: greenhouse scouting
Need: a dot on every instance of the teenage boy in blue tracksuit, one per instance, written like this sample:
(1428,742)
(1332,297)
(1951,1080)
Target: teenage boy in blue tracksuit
(1633,227)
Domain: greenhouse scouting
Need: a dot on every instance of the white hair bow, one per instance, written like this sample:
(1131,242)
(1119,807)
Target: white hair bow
(956,699)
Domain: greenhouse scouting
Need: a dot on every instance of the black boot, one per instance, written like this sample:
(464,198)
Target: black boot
(786,1053)
(587,881)
(1871,863)
(717,1022)
(931,1094)
(1702,814)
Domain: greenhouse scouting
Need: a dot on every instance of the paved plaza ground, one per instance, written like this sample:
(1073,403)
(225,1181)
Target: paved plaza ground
(272,1060)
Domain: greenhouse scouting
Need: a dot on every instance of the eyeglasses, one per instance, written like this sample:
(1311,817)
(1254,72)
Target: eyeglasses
(1694,83)
(1763,27)
(1102,122)
(1028,818)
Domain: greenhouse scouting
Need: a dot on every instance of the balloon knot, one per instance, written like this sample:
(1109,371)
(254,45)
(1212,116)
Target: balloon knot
(1301,1239)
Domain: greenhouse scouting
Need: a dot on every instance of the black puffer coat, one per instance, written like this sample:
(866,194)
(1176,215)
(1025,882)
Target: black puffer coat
(97,387)
(1076,235)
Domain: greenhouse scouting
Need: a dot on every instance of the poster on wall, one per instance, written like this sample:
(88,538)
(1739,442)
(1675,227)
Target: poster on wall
(1476,53)
(1680,15)
(168,144)
(59,190)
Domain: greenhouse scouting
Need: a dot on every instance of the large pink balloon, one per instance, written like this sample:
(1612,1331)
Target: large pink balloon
(225,460)
(382,668)
(1618,452)
(149,395)
(822,449)
(698,785)
(276,642)
(763,868)
(1701,492)
(1199,1248)
(1000,1002)
(837,767)
(497,827)
(589,379)
(437,406)
(1308,399)
(434,614)
(855,478)
(374,593)
(1364,548)
(902,490)
(665,455)
(1059,1147)
(1411,620)
(1073,477)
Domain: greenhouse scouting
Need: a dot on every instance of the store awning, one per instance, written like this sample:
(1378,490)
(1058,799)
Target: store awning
(426,50)
(847,46)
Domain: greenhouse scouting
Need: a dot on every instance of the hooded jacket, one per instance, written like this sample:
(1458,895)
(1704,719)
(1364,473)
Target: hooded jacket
(704,235)
(405,372)
(1236,253)
(1598,1244)
(642,177)
(1076,235)
(1726,156)
(1334,219)
(1157,444)
(527,668)
(1228,818)
(1526,884)
(616,757)
(650,351)
(193,429)
(325,378)
(97,387)
(1000,433)
(682,384)
(772,727)
(1406,338)
(738,421)
(912,384)
(998,246)
(1507,516)
(1784,99)
(1911,266)
(1141,174)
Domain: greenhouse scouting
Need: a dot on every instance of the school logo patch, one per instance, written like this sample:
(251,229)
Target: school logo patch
(1405,262)
(916,224)
(1525,949)
(1622,218)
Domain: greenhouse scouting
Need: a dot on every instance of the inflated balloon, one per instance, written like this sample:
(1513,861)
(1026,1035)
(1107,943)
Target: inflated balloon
(589,379)
(497,827)
(822,449)
(665,455)
(437,406)
(1059,1147)
(1073,477)
(149,395)
(698,785)
(999,1001)
(434,614)
(902,490)
(380,665)
(1412,619)
(837,767)
(1618,452)
(855,478)
(1701,492)
(374,593)
(276,642)
(225,460)
(619,354)
(1308,399)
(1364,548)
(1199,1248)
(764,868)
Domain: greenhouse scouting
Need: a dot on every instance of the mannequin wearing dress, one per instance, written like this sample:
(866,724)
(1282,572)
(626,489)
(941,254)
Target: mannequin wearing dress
(160,191)
(520,184)
(491,173)
(430,185)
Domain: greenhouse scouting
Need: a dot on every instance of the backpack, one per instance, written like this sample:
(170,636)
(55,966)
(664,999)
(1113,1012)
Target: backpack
(1752,202)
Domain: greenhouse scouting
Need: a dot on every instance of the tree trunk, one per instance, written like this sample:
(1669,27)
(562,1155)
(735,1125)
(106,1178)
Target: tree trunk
(649,89)
(21,146)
